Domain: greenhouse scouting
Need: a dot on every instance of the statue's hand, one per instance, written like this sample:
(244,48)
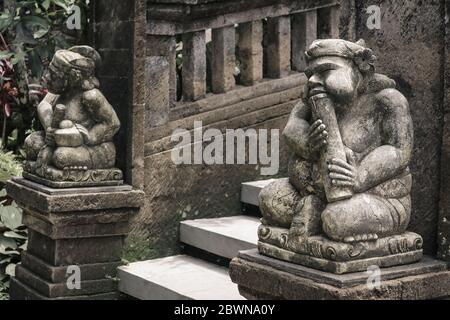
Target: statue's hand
(343,174)
(84,133)
(317,136)
(50,137)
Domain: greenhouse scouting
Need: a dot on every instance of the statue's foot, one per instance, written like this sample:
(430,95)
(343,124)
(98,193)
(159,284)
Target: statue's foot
(359,238)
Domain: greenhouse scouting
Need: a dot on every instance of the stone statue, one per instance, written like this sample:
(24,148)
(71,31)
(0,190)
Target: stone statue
(346,204)
(76,148)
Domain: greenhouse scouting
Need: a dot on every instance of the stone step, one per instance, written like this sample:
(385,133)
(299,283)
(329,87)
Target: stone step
(224,237)
(177,278)
(250,190)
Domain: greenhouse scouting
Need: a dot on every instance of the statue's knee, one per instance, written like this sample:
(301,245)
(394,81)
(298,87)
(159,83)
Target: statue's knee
(333,223)
(61,158)
(278,202)
(33,144)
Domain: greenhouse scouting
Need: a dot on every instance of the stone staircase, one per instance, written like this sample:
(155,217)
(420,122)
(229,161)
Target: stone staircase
(187,277)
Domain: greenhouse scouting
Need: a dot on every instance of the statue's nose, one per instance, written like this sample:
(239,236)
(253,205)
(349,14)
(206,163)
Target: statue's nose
(314,81)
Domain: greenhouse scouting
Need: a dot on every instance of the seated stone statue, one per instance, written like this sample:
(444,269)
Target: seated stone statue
(348,193)
(76,148)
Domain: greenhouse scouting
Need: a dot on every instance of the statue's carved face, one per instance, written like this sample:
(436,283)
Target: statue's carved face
(57,81)
(336,76)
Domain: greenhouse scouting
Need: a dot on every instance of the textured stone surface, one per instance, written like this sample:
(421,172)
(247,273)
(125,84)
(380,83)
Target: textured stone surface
(157,100)
(261,281)
(223,59)
(427,265)
(36,200)
(413,34)
(20,291)
(278,49)
(47,272)
(351,141)
(194,65)
(224,237)
(63,233)
(76,145)
(177,278)
(250,52)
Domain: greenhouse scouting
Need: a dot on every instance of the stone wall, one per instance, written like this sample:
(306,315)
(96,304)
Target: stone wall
(410,48)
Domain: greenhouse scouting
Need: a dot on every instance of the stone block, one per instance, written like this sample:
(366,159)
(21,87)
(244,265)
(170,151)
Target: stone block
(55,290)
(75,251)
(261,277)
(47,272)
(157,100)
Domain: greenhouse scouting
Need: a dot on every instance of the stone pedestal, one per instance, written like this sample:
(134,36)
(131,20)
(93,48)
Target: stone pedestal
(262,277)
(72,232)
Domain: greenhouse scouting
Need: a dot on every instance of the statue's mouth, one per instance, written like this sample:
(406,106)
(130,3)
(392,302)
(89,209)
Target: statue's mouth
(316,91)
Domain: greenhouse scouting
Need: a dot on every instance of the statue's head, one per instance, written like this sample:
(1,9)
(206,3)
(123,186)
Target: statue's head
(339,68)
(73,68)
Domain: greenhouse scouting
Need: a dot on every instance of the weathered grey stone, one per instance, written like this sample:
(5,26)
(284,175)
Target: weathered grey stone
(63,252)
(58,274)
(76,146)
(349,174)
(415,44)
(20,291)
(189,279)
(194,65)
(54,290)
(223,59)
(33,199)
(223,237)
(427,265)
(260,280)
(165,46)
(303,33)
(158,91)
(250,52)
(278,50)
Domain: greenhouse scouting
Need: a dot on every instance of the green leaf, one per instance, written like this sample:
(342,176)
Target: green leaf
(11,217)
(14,235)
(6,19)
(3,194)
(11,269)
(38,25)
(62,3)
(7,243)
(46,4)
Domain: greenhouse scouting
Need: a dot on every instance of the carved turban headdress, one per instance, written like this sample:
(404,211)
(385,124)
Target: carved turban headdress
(363,57)
(82,58)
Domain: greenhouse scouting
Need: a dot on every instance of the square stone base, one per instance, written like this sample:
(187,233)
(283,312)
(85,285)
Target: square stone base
(262,277)
(71,232)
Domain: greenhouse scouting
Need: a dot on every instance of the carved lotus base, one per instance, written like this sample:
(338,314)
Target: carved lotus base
(321,253)
(78,178)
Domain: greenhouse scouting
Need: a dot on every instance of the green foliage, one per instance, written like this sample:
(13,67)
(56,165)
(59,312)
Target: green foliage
(13,235)
(9,167)
(30,33)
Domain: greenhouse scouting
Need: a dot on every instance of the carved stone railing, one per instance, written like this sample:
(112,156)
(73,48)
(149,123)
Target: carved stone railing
(265,39)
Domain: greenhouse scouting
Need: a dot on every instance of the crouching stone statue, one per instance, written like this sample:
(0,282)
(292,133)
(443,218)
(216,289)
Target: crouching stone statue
(76,147)
(346,204)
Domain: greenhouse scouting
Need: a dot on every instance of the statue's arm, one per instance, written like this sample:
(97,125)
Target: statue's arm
(107,122)
(45,110)
(390,159)
(297,130)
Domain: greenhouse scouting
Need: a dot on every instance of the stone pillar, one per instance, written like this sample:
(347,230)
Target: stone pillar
(74,234)
(250,52)
(194,65)
(223,59)
(165,46)
(329,21)
(304,32)
(278,46)
(157,100)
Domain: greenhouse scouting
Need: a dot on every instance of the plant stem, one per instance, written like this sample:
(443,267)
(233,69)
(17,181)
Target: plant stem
(4,132)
